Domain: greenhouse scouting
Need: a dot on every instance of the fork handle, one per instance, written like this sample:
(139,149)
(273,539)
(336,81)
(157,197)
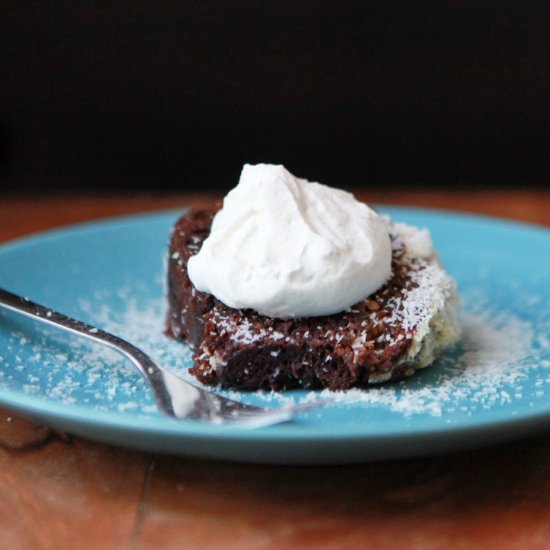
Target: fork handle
(140,359)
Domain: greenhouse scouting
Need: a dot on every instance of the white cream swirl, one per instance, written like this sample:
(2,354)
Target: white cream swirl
(287,247)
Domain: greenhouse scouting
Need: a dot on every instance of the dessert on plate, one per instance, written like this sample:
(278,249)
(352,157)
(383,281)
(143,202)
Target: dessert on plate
(296,284)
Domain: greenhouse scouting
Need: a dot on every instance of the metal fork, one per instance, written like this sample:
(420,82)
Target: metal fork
(175,397)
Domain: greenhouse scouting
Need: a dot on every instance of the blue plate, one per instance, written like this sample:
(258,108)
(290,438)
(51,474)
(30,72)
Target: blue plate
(493,387)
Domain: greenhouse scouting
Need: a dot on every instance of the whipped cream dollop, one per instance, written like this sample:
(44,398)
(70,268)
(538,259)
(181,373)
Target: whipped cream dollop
(287,247)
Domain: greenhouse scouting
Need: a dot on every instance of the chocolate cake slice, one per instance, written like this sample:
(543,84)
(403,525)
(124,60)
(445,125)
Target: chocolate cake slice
(400,328)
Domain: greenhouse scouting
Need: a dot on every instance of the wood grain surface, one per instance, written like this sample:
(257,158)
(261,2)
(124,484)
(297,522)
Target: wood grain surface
(59,491)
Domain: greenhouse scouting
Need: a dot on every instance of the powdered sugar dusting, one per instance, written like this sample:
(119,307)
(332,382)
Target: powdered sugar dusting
(501,359)
(71,370)
(494,356)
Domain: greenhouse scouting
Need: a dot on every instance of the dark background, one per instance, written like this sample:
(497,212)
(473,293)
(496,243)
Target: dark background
(178,95)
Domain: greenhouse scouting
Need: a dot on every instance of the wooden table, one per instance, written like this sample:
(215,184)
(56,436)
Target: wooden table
(59,491)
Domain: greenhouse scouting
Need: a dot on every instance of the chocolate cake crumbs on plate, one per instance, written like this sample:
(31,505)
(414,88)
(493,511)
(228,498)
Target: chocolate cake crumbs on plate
(400,328)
